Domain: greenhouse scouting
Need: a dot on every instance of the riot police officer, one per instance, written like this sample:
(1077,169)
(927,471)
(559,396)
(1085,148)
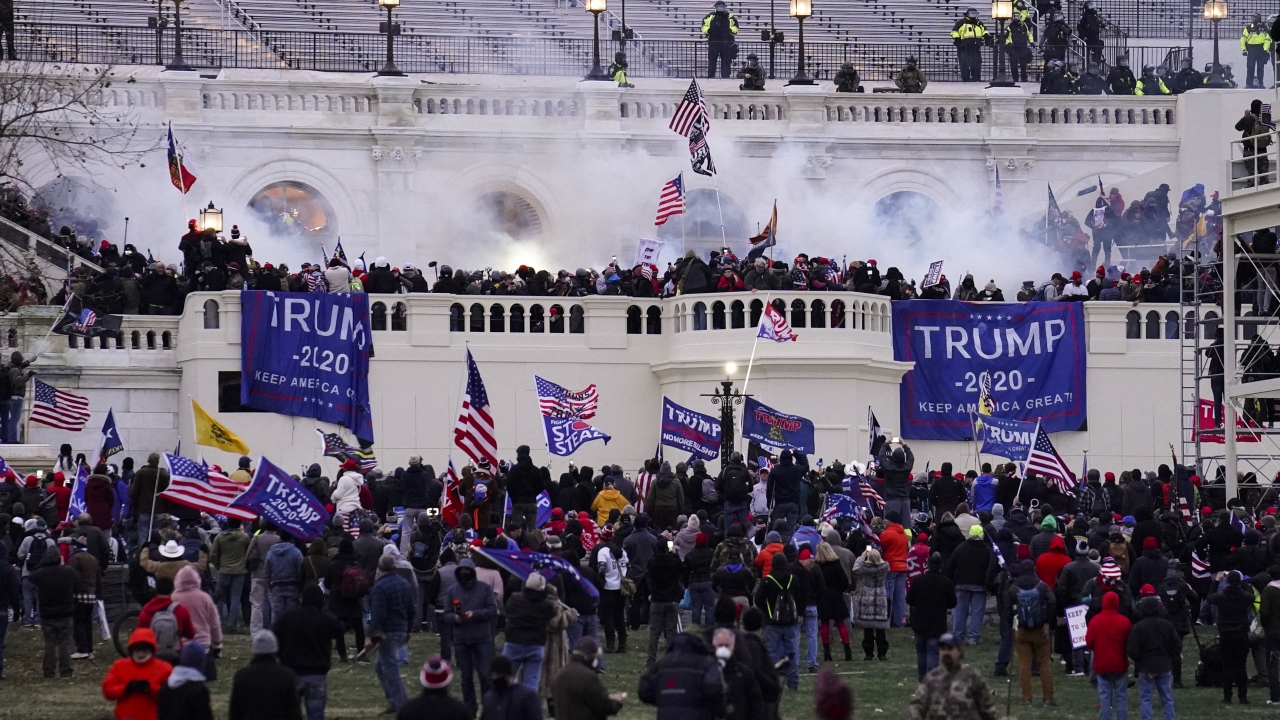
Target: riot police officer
(1255,45)
(720,28)
(752,74)
(969,35)
(1150,83)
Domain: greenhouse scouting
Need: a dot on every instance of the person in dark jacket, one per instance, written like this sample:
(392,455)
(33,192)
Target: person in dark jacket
(895,461)
(421,491)
(528,613)
(685,684)
(743,700)
(1137,494)
(1031,602)
(1153,643)
(316,483)
(435,703)
(1252,558)
(306,635)
(391,614)
(100,497)
(344,606)
(184,695)
(55,584)
(470,606)
(524,482)
(946,492)
(665,592)
(10,596)
(776,592)
(946,538)
(508,700)
(1234,604)
(1149,569)
(578,692)
(930,597)
(1181,602)
(969,568)
(264,689)
(783,488)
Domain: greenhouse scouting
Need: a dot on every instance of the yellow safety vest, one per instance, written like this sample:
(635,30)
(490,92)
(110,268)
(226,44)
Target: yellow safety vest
(969,30)
(1255,34)
(1159,89)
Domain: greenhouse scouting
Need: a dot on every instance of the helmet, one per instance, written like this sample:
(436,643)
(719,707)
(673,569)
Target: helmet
(971,12)
(1148,69)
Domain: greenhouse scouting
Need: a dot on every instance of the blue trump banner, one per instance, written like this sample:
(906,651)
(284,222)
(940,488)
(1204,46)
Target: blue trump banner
(1006,438)
(523,563)
(776,429)
(566,435)
(691,431)
(284,501)
(544,507)
(1032,354)
(307,354)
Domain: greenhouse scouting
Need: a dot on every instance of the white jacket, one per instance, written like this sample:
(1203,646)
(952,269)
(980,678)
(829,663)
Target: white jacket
(346,496)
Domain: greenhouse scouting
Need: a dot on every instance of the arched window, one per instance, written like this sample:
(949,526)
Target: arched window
(378,316)
(737,315)
(477,318)
(537,319)
(817,314)
(135,340)
(577,320)
(1189,326)
(699,316)
(797,313)
(517,318)
(13,337)
(210,314)
(653,320)
(837,313)
(151,339)
(497,318)
(166,340)
(399,317)
(557,319)
(1153,325)
(1133,325)
(717,315)
(457,323)
(1211,324)
(634,326)
(1171,325)
(757,309)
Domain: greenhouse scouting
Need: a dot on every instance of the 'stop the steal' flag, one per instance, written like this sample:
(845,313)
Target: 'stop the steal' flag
(307,354)
(566,435)
(774,327)
(284,501)
(776,429)
(544,507)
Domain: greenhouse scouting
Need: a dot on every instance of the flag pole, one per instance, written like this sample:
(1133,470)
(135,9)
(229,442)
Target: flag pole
(716,180)
(751,361)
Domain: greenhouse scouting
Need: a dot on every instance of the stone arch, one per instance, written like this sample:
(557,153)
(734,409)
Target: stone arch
(347,211)
(489,178)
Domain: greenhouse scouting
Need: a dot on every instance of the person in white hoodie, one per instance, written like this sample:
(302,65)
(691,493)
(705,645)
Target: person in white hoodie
(346,496)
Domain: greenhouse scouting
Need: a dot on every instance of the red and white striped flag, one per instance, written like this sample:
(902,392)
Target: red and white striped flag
(773,326)
(203,488)
(1044,459)
(1185,510)
(671,200)
(644,479)
(691,111)
(58,408)
(474,431)
(451,498)
(1199,568)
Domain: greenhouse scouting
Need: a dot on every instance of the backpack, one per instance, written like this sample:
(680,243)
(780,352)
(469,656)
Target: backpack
(737,488)
(1100,502)
(1209,667)
(1030,614)
(164,623)
(785,612)
(36,552)
(354,582)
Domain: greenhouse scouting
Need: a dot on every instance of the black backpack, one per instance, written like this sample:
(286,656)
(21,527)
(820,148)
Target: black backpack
(36,552)
(737,487)
(785,611)
(1209,669)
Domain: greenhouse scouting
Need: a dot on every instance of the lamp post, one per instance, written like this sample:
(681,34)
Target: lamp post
(726,397)
(1001,11)
(773,36)
(1215,11)
(178,62)
(390,69)
(801,9)
(211,218)
(595,7)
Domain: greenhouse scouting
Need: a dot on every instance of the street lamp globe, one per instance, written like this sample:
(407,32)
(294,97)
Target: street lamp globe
(1001,9)
(1215,10)
(211,218)
(730,368)
(596,6)
(801,8)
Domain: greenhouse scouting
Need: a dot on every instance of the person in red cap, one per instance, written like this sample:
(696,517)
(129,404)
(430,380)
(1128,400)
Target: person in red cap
(1108,638)
(1075,290)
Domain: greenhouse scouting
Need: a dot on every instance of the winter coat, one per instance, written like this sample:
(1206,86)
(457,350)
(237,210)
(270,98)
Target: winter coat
(728,547)
(1153,643)
(315,566)
(184,696)
(870,602)
(100,500)
(478,600)
(930,597)
(230,552)
(1073,578)
(307,635)
(136,706)
(528,612)
(1026,581)
(959,695)
(685,684)
(982,495)
(1268,611)
(55,585)
(1150,569)
(894,546)
(607,500)
(144,488)
(946,538)
(1108,637)
(664,578)
(970,563)
(785,480)
(764,561)
(515,702)
(259,546)
(438,705)
(831,604)
(391,603)
(1137,494)
(665,494)
(896,464)
(524,482)
(1051,563)
(204,613)
(264,690)
(579,694)
(1234,604)
(346,496)
(284,565)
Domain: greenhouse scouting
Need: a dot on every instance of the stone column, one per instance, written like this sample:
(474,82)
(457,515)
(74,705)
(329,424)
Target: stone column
(183,98)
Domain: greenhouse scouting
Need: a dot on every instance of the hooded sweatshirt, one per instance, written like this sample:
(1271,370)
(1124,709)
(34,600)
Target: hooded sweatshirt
(136,706)
(1108,637)
(346,496)
(1051,563)
(284,564)
(204,614)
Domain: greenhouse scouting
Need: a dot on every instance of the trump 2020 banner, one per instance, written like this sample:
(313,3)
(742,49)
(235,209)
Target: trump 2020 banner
(1033,353)
(1006,438)
(284,501)
(307,354)
(690,431)
(776,429)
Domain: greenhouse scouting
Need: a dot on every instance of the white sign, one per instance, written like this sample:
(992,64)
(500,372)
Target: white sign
(1077,625)
(647,252)
(934,276)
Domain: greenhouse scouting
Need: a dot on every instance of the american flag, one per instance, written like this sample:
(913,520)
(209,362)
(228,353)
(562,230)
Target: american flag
(197,486)
(1042,458)
(556,401)
(691,112)
(474,432)
(775,327)
(59,409)
(699,151)
(671,200)
(332,445)
(862,491)
(315,280)
(1185,510)
(644,480)
(351,526)
(85,320)
(1199,568)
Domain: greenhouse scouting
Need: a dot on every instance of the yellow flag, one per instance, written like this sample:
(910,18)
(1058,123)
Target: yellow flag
(214,434)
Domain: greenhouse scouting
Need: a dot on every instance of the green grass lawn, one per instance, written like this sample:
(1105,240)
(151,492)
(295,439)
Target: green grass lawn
(881,689)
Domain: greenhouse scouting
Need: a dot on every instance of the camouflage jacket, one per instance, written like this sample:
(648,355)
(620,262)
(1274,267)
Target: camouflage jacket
(959,695)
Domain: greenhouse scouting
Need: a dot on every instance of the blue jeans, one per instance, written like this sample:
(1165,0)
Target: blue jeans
(704,603)
(473,660)
(314,691)
(1148,684)
(228,592)
(30,603)
(926,655)
(970,605)
(13,419)
(1113,690)
(143,535)
(526,662)
(587,625)
(811,634)
(284,598)
(784,641)
(735,512)
(786,511)
(895,586)
(391,655)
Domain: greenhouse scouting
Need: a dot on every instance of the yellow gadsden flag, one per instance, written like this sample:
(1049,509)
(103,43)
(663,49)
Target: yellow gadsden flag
(214,434)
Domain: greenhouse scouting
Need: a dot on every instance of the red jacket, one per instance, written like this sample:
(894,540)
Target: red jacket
(1051,563)
(1108,636)
(917,561)
(894,543)
(136,706)
(99,499)
(764,560)
(186,629)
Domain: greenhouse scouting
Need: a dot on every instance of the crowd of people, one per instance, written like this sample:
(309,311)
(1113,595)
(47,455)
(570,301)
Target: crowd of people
(749,552)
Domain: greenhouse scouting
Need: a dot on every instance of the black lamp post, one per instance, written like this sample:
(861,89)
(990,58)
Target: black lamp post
(773,36)
(178,62)
(390,69)
(726,397)
(595,7)
(1001,11)
(801,9)
(1215,11)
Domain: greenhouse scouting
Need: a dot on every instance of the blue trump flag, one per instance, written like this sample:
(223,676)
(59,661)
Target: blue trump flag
(284,501)
(839,506)
(694,432)
(1006,438)
(110,443)
(1032,354)
(77,503)
(566,435)
(307,354)
(806,535)
(776,429)
(544,507)
(523,563)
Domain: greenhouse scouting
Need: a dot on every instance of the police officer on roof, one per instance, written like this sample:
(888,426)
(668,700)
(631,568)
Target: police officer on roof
(1018,41)
(1255,45)
(969,35)
(720,28)
(1150,83)
(1120,81)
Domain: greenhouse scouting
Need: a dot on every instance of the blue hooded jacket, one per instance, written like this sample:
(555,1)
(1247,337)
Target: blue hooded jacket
(982,496)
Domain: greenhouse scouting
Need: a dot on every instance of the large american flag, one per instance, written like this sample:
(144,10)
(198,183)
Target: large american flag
(644,480)
(691,111)
(59,409)
(1044,459)
(474,432)
(556,401)
(197,486)
(671,200)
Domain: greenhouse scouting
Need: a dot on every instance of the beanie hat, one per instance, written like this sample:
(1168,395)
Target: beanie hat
(1049,522)
(805,554)
(1109,477)
(1150,543)
(1110,570)
(772,537)
(435,673)
(194,655)
(535,582)
(264,643)
(700,540)
(976,532)
(1024,552)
